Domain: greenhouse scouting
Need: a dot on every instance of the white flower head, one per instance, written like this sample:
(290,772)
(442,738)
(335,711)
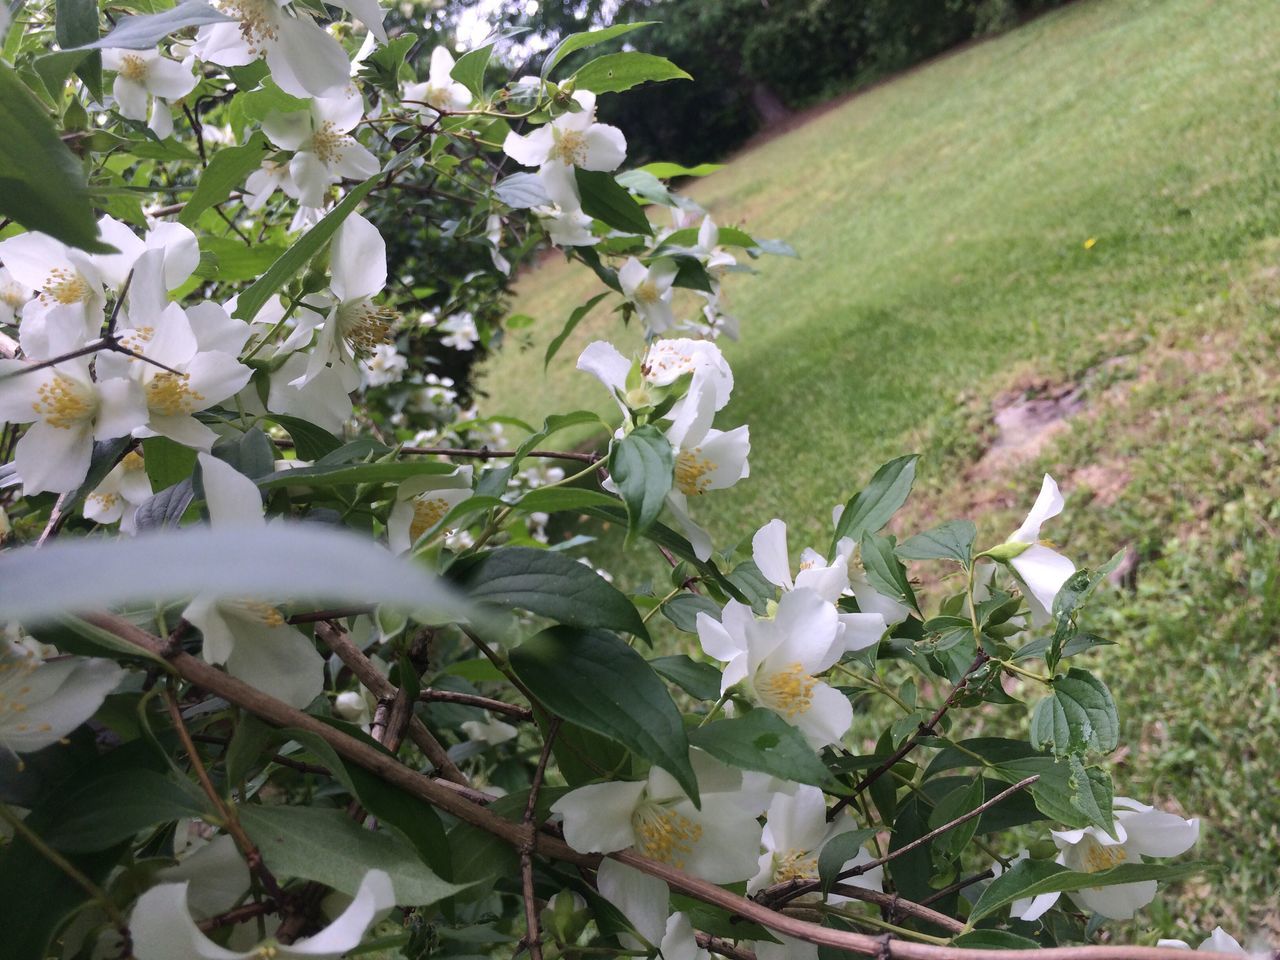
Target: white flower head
(145,74)
(439,92)
(489,731)
(1040,568)
(324,150)
(572,140)
(384,365)
(656,817)
(13,296)
(121,492)
(566,228)
(460,331)
(67,282)
(41,701)
(422,502)
(774,663)
(650,290)
(1218,942)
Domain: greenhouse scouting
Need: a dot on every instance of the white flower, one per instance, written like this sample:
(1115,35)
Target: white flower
(1040,569)
(303,59)
(858,631)
(384,365)
(67,410)
(422,502)
(870,600)
(795,831)
(715,258)
(120,493)
(352,705)
(489,731)
(1026,908)
(460,331)
(160,261)
(439,92)
(649,289)
(142,74)
(1219,942)
(566,228)
(13,296)
(41,701)
(323,399)
(195,380)
(273,175)
(774,663)
(570,141)
(666,361)
(717,843)
(163,929)
(324,151)
(1139,830)
(250,637)
(353,323)
(645,902)
(705,459)
(218,874)
(67,281)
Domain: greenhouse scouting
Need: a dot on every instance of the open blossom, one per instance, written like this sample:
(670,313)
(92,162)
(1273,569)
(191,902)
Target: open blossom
(163,929)
(13,296)
(142,75)
(795,831)
(120,493)
(384,365)
(41,701)
(870,600)
(439,91)
(774,663)
(649,289)
(250,636)
(646,903)
(422,502)
(1219,942)
(67,283)
(858,631)
(489,731)
(566,228)
(656,817)
(1139,830)
(303,58)
(460,332)
(570,141)
(324,151)
(1040,568)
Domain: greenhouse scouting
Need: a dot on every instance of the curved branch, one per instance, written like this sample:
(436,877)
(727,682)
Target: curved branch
(447,798)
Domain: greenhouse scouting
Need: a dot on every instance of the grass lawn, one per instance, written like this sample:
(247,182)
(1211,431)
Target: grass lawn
(942,222)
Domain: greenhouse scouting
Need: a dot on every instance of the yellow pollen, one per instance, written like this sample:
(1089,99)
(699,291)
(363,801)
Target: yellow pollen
(133,68)
(693,472)
(366,326)
(327,143)
(105,500)
(11,295)
(170,394)
(132,462)
(570,148)
(63,403)
(1098,857)
(256,24)
(427,512)
(788,691)
(647,293)
(261,611)
(665,834)
(65,286)
(137,338)
(794,865)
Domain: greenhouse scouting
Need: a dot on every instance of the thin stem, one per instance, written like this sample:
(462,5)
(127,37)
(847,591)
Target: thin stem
(877,924)
(533,933)
(472,700)
(649,615)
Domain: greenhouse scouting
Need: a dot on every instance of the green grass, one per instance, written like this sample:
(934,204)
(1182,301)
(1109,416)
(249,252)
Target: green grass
(941,221)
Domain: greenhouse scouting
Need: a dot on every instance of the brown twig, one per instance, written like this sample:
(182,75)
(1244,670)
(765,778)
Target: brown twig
(956,887)
(723,947)
(926,729)
(298,765)
(446,798)
(472,700)
(227,812)
(895,904)
(533,934)
(783,892)
(336,614)
(239,915)
(338,641)
(483,453)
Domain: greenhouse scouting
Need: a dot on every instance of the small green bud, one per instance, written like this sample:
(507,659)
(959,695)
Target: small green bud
(1006,551)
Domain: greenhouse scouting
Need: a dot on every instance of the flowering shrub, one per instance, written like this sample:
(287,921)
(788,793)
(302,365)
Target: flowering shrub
(290,668)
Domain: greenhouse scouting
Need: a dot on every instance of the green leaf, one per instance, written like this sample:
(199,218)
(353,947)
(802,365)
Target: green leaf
(551,585)
(470,68)
(683,610)
(666,171)
(249,740)
(300,254)
(337,474)
(580,41)
(309,441)
(995,940)
(838,851)
(642,464)
(1067,791)
(952,540)
(557,499)
(569,325)
(1079,716)
(885,570)
(990,751)
(615,72)
(762,740)
(227,259)
(593,679)
(1030,878)
(166,462)
(871,509)
(328,847)
(954,805)
(226,171)
(252,453)
(117,806)
(77,24)
(700,680)
(610,202)
(42,183)
(143,33)
(520,191)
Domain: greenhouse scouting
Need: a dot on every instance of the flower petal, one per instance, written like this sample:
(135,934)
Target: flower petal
(769,551)
(597,817)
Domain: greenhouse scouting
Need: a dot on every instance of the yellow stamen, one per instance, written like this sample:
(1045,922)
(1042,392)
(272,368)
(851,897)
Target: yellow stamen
(646,293)
(427,512)
(664,834)
(570,148)
(66,287)
(794,865)
(170,394)
(63,402)
(327,143)
(1098,857)
(693,472)
(789,691)
(133,67)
